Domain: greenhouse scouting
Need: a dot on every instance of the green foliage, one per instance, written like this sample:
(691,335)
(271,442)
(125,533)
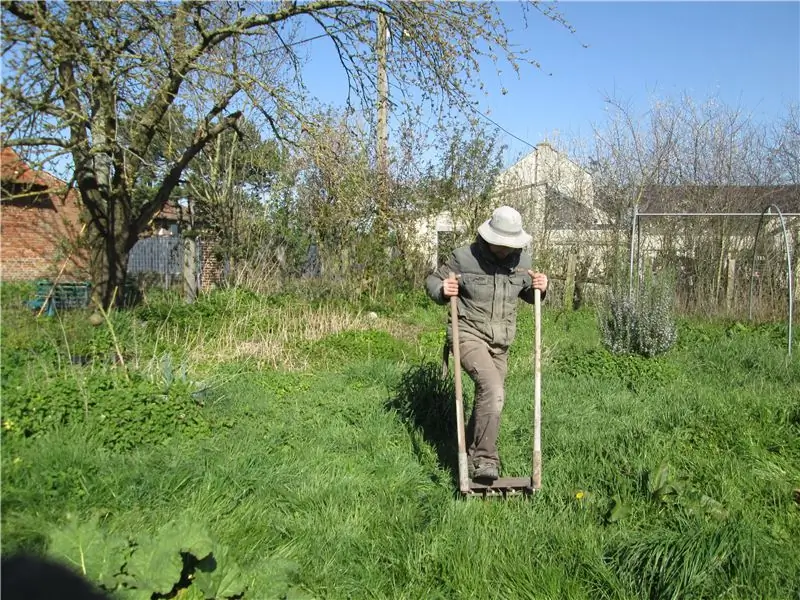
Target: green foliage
(668,477)
(351,345)
(180,558)
(600,364)
(463,181)
(210,309)
(89,551)
(14,294)
(431,343)
(643,325)
(124,410)
(688,562)
(661,487)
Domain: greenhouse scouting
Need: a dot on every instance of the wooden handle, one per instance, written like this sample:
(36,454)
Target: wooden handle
(463,470)
(536,477)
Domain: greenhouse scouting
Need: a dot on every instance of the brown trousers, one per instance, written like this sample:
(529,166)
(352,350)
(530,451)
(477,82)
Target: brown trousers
(487,366)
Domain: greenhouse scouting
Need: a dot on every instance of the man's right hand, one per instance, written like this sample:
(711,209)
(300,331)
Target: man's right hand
(450,287)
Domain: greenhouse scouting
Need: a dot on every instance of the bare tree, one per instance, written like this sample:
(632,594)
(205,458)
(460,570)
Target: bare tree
(463,181)
(99,81)
(786,157)
(227,184)
(683,156)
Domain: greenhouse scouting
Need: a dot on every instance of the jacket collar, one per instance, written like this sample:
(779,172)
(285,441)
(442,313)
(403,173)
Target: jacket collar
(486,255)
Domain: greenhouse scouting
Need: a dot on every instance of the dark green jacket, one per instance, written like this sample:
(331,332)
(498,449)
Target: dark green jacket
(488,289)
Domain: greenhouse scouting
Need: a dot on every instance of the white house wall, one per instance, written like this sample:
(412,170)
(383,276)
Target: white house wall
(524,186)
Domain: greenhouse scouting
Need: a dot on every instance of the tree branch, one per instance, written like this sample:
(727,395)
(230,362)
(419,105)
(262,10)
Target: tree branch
(37,141)
(165,95)
(172,179)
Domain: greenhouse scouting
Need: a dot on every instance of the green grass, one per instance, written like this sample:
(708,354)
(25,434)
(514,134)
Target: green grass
(663,478)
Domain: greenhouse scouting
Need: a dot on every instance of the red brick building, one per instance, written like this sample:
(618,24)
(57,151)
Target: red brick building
(39,224)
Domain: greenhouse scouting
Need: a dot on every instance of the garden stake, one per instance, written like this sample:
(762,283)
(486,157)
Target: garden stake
(536,477)
(463,472)
(504,486)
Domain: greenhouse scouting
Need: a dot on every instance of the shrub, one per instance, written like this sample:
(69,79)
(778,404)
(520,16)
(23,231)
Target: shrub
(123,412)
(618,325)
(642,325)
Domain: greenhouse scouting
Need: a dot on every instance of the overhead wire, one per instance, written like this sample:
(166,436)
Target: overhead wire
(472,108)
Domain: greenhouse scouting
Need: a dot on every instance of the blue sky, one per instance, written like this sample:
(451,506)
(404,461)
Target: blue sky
(745,54)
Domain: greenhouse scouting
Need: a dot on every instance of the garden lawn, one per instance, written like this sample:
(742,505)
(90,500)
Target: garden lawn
(331,477)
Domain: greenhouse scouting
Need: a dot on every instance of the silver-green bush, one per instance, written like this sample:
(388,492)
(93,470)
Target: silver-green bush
(642,325)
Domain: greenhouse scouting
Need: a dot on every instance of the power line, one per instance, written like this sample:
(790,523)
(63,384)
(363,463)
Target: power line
(475,110)
(500,127)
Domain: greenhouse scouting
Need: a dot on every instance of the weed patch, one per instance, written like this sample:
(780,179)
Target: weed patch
(355,346)
(631,369)
(123,410)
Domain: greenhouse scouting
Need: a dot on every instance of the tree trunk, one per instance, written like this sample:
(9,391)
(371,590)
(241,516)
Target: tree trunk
(110,241)
(109,265)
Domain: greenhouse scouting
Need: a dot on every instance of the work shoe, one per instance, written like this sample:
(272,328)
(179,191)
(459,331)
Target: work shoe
(485,470)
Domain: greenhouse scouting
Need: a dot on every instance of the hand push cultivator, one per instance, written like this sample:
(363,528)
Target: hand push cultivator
(504,486)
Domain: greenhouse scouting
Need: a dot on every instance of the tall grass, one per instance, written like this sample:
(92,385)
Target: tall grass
(663,478)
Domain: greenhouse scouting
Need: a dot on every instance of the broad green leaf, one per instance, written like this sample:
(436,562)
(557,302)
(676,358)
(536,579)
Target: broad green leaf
(698,502)
(618,510)
(660,480)
(89,550)
(155,565)
(132,594)
(191,593)
(188,537)
(711,505)
(222,579)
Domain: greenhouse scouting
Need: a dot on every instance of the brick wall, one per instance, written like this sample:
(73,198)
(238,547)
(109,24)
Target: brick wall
(210,266)
(35,241)
(39,225)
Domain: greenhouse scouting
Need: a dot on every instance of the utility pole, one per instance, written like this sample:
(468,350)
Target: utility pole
(383,122)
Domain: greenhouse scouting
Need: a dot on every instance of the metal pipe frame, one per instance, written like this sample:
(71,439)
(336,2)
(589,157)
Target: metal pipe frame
(635,235)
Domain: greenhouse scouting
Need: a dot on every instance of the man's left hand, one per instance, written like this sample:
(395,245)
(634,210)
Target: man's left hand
(539,281)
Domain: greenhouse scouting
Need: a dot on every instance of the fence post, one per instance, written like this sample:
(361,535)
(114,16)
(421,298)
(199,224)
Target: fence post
(731,283)
(569,282)
(634,231)
(189,269)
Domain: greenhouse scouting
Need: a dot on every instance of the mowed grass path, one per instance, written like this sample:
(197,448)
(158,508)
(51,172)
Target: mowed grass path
(668,478)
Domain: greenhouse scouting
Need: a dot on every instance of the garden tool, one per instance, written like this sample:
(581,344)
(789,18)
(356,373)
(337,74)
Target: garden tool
(503,486)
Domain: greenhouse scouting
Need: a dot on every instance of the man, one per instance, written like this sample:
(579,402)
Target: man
(490,274)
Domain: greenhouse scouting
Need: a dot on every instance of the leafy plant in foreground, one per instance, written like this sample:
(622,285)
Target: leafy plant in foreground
(178,556)
(180,560)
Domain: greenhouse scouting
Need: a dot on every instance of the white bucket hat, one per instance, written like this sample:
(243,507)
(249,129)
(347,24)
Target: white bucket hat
(504,229)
